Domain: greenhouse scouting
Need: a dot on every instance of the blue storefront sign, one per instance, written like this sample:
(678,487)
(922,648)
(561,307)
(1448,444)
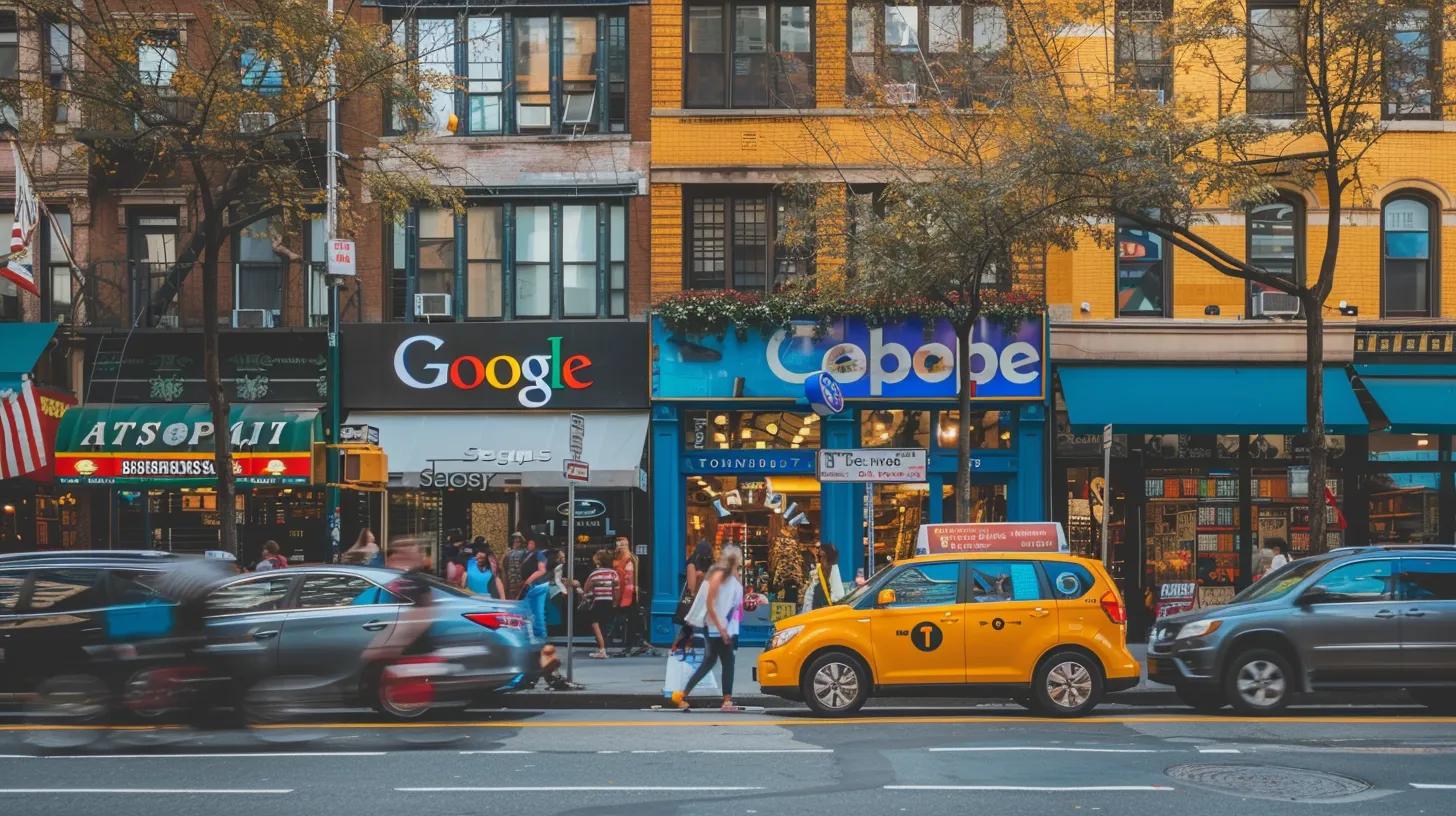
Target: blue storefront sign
(768,462)
(909,360)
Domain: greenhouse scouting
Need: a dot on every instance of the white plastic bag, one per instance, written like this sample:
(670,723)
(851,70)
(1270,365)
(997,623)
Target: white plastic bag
(680,668)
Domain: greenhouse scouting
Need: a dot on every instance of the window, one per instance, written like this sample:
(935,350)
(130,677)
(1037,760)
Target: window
(485,74)
(987,429)
(1275,235)
(263,595)
(157,57)
(131,587)
(1068,581)
(58,266)
(1357,582)
(737,240)
(749,430)
(1142,273)
(57,68)
(578,261)
(324,591)
(259,281)
(317,276)
(1143,63)
(435,267)
(1275,45)
(484,263)
(1405,508)
(9,292)
(397,246)
(1428,579)
(1410,78)
(895,428)
(533,73)
(436,49)
(260,73)
(66,590)
(9,64)
(935,584)
(10,585)
(901,44)
(533,261)
(993,581)
(1408,224)
(749,55)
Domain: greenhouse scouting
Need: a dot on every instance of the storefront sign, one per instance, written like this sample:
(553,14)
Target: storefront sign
(1175,597)
(341,257)
(823,393)
(257,366)
(904,360)
(873,465)
(585,508)
(495,366)
(1022,537)
(1214,596)
(789,461)
(173,445)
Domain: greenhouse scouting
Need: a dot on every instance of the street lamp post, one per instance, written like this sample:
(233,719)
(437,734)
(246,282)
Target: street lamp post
(331,227)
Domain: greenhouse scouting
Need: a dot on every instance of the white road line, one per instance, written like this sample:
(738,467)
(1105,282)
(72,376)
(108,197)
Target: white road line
(18,756)
(762,751)
(223,756)
(466,753)
(582,789)
(150,791)
(1219,751)
(647,752)
(996,750)
(1431,786)
(1032,788)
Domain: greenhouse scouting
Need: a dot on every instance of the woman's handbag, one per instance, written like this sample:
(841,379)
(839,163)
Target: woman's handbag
(684,603)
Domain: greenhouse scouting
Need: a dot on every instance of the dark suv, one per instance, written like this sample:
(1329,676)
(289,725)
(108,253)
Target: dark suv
(1360,618)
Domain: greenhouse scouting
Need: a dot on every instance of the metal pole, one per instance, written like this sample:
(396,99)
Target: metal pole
(331,225)
(1106,491)
(570,574)
(869,513)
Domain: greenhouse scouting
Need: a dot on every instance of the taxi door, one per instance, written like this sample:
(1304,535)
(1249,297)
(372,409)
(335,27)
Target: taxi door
(1009,622)
(920,638)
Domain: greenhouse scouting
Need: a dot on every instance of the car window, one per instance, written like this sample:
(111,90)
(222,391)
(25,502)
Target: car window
(1277,584)
(1428,579)
(132,587)
(10,586)
(260,595)
(66,590)
(1360,581)
(926,584)
(1003,581)
(321,591)
(1068,581)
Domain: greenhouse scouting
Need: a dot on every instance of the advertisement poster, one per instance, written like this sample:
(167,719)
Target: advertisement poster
(1023,537)
(1175,597)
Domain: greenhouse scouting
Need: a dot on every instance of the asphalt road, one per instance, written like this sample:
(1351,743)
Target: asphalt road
(778,763)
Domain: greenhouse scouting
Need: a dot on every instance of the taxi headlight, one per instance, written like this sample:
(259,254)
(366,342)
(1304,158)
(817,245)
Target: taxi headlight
(1198,628)
(783,636)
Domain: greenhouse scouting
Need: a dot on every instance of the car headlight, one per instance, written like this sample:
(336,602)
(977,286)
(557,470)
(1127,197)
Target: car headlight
(1198,628)
(782,636)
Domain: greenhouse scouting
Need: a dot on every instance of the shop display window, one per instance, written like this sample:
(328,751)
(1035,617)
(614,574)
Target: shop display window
(990,430)
(900,509)
(1394,447)
(1189,446)
(894,429)
(750,430)
(1192,537)
(1086,502)
(1405,508)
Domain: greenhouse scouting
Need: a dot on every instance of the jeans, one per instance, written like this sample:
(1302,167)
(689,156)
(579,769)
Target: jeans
(716,651)
(536,602)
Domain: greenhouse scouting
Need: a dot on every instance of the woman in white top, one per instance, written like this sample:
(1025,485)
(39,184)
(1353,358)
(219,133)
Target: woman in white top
(825,585)
(719,607)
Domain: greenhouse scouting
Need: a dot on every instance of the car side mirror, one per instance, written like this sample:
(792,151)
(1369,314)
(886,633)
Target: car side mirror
(1314,595)
(885,598)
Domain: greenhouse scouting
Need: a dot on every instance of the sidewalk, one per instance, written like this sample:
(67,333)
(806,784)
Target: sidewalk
(636,682)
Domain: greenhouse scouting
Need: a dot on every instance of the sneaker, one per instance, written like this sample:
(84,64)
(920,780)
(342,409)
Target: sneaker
(679,701)
(562,684)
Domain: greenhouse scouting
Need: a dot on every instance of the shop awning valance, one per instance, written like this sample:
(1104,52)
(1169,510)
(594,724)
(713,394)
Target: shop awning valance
(483,450)
(1203,399)
(1415,404)
(21,345)
(153,444)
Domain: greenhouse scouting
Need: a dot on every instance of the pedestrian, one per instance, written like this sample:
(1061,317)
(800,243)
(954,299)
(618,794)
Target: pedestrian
(365,551)
(693,575)
(601,592)
(719,609)
(456,559)
(825,585)
(515,556)
(625,563)
(481,576)
(535,584)
(1281,553)
(272,557)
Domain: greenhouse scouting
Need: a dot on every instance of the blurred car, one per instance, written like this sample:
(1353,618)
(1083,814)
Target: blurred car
(1352,619)
(106,627)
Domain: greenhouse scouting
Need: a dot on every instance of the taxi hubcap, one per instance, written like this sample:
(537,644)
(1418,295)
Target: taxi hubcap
(1261,683)
(836,685)
(1069,684)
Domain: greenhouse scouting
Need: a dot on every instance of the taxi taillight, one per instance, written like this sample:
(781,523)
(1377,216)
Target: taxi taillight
(1112,605)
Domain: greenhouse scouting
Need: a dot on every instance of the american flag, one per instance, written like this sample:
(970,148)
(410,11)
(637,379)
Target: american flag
(22,229)
(22,447)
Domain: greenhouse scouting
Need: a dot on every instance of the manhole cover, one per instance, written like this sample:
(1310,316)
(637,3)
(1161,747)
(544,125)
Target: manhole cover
(1270,781)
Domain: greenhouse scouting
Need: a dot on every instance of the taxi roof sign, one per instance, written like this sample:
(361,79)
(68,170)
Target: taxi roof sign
(1008,537)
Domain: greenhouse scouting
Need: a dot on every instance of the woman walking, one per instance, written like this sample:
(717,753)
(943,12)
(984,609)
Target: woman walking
(719,606)
(693,575)
(825,585)
(482,577)
(602,590)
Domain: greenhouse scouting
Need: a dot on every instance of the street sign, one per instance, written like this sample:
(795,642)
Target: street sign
(576,471)
(873,464)
(341,257)
(1107,437)
(367,434)
(578,435)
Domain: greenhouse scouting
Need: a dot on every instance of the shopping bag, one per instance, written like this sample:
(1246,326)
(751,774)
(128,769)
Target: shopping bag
(680,668)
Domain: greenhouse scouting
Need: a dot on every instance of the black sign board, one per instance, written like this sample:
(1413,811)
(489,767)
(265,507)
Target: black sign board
(268,365)
(514,366)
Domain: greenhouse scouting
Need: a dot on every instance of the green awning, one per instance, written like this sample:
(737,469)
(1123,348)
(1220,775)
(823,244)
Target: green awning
(1415,404)
(172,445)
(21,344)
(1203,399)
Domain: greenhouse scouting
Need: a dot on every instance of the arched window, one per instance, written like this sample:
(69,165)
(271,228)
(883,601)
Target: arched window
(1408,255)
(1276,245)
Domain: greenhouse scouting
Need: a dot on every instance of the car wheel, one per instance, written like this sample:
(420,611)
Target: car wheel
(1067,684)
(1441,701)
(72,699)
(1202,698)
(403,698)
(1258,681)
(836,683)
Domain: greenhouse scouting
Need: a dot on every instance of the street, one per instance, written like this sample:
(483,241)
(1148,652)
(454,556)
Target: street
(989,759)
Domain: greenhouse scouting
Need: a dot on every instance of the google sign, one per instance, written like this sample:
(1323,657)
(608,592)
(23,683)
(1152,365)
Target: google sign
(539,375)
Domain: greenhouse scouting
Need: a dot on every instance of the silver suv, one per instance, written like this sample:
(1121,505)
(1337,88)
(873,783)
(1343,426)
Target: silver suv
(1361,618)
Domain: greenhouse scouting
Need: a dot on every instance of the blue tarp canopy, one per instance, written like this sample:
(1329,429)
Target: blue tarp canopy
(1415,404)
(21,345)
(1204,399)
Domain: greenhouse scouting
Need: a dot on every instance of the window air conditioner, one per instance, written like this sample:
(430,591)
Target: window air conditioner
(1275,304)
(432,305)
(257,121)
(252,318)
(902,93)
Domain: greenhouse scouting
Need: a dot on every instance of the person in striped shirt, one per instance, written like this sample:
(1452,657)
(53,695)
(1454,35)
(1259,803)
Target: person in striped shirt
(601,594)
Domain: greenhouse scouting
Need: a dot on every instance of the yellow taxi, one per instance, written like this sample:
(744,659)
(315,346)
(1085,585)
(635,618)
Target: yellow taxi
(1047,629)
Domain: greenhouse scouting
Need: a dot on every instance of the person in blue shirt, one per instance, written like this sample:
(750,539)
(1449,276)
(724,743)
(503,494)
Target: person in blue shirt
(481,575)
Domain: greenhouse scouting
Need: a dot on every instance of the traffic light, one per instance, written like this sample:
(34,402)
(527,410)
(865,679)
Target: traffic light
(365,466)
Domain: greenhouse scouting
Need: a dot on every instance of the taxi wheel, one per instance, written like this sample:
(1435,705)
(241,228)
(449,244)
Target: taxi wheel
(1067,684)
(836,683)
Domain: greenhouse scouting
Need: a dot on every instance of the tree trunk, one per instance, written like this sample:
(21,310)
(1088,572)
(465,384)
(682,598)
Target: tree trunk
(1314,342)
(963,425)
(216,397)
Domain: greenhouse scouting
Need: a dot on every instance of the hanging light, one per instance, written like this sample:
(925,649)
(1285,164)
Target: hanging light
(760,444)
(797,439)
(746,433)
(772,428)
(719,436)
(721,419)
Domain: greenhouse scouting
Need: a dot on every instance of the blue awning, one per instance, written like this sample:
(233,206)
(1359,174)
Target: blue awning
(21,345)
(1415,404)
(1203,399)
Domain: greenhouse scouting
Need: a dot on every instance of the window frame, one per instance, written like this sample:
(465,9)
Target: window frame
(1434,48)
(240,266)
(1167,264)
(772,198)
(854,86)
(1134,82)
(774,54)
(56,69)
(1301,218)
(1392,563)
(1433,252)
(1299,91)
